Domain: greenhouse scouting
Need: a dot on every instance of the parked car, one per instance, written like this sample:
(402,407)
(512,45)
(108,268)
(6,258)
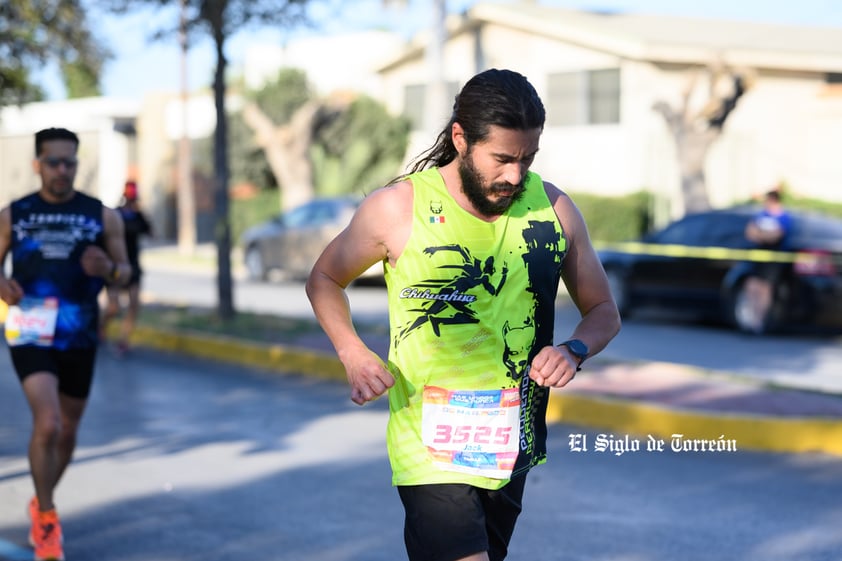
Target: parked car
(700,263)
(289,244)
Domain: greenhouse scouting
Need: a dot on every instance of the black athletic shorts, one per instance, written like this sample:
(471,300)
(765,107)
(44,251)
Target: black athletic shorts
(74,368)
(451,521)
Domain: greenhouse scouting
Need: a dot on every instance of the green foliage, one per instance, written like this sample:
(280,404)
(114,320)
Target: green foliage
(360,150)
(250,326)
(31,33)
(815,205)
(16,86)
(614,219)
(80,79)
(281,97)
(617,219)
(254,327)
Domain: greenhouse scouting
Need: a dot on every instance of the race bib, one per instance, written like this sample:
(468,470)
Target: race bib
(32,322)
(473,432)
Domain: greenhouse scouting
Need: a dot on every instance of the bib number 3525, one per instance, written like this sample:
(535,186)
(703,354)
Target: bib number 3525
(472,431)
(470,434)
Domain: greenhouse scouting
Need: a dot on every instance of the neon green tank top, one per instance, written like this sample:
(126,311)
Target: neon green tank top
(470,304)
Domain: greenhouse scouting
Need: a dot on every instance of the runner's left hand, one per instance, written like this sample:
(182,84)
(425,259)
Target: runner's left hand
(95,262)
(553,367)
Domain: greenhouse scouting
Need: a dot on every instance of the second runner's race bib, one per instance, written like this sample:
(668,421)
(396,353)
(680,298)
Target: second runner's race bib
(32,322)
(474,432)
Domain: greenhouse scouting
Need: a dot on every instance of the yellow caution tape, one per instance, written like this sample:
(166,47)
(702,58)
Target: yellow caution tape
(669,250)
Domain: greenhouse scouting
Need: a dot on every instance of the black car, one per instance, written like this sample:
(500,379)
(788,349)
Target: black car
(290,243)
(700,263)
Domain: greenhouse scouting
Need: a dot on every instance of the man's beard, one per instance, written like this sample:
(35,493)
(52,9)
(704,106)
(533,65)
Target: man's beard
(472,186)
(60,188)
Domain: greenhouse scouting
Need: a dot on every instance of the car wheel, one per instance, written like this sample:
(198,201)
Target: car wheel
(254,264)
(619,290)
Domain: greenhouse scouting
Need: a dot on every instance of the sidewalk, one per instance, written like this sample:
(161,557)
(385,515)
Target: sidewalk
(654,399)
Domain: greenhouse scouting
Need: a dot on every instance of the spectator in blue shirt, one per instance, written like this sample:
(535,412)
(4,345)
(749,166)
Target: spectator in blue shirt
(769,230)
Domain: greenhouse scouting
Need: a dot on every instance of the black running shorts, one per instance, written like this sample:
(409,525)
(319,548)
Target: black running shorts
(74,368)
(451,521)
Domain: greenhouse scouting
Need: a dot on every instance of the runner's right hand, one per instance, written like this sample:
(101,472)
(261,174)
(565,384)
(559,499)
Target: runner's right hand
(367,375)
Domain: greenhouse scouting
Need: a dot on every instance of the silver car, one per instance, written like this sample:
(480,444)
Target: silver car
(288,245)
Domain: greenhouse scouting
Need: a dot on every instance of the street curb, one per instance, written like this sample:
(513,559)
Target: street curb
(626,416)
(278,358)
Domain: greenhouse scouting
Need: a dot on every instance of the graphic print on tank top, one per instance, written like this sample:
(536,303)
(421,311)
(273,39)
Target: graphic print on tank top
(451,300)
(447,301)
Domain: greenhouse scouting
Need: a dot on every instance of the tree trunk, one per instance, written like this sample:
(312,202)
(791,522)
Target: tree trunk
(694,133)
(222,228)
(692,154)
(287,149)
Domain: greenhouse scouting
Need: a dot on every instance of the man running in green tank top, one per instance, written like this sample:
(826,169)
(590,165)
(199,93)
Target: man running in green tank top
(473,246)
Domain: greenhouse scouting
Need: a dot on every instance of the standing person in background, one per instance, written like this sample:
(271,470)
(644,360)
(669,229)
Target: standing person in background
(769,230)
(64,246)
(135,225)
(473,245)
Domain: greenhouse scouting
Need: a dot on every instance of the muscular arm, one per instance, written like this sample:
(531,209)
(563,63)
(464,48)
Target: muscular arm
(113,263)
(10,291)
(373,235)
(585,279)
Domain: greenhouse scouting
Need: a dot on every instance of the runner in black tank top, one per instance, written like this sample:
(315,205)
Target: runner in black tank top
(64,246)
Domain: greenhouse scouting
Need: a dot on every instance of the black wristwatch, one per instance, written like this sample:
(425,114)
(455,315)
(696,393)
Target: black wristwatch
(578,349)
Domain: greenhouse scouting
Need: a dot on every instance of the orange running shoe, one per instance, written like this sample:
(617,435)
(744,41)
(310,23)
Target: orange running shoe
(33,519)
(48,537)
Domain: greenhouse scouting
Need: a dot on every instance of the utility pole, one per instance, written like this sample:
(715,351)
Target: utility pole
(437,113)
(185,198)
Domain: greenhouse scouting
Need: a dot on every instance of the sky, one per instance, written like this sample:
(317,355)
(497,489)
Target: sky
(142,65)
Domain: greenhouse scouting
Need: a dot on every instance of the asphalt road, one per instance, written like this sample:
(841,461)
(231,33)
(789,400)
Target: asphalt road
(185,460)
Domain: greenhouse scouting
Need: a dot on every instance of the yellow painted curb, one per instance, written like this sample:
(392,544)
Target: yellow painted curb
(278,358)
(749,432)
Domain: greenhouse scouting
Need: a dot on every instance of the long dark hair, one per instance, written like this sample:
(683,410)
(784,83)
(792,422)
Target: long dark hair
(493,97)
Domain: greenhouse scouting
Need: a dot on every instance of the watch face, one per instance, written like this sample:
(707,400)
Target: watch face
(577,347)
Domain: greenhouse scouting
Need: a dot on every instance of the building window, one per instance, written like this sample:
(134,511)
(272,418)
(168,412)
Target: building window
(589,97)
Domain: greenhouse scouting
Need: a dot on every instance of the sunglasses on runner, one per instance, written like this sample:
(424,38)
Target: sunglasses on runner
(56,162)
